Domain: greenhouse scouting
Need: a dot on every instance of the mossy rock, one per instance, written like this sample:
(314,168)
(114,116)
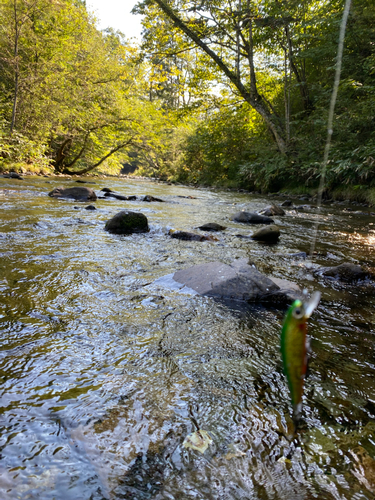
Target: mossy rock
(127,222)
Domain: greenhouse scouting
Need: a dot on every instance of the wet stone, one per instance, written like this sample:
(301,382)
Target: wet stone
(268,234)
(117,196)
(272,210)
(288,291)
(297,255)
(347,272)
(211,226)
(74,193)
(239,281)
(251,218)
(90,207)
(150,198)
(127,222)
(187,236)
(13,175)
(303,207)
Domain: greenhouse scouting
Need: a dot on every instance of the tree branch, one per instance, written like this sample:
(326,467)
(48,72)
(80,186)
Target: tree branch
(91,167)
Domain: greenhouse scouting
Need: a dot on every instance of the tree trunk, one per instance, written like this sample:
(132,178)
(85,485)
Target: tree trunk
(60,156)
(16,75)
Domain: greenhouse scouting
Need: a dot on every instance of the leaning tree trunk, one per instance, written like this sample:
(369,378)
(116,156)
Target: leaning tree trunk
(16,70)
(253,97)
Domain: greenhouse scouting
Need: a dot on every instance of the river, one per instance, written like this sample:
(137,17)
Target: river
(104,373)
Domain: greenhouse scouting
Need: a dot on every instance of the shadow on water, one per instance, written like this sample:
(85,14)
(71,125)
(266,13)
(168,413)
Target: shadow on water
(105,373)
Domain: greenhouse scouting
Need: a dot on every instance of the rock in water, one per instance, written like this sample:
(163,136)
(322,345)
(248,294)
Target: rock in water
(272,210)
(269,234)
(126,222)
(74,193)
(150,198)
(238,281)
(251,218)
(13,175)
(211,226)
(288,291)
(186,236)
(345,272)
(117,196)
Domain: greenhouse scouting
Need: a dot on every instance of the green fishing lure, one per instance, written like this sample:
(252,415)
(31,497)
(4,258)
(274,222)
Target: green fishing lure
(294,348)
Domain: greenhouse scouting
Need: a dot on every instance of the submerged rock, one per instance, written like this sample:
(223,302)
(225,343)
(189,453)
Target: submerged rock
(268,234)
(297,255)
(251,218)
(272,210)
(286,203)
(111,194)
(106,190)
(74,193)
(344,272)
(127,222)
(364,467)
(186,236)
(211,226)
(303,207)
(239,281)
(150,198)
(89,207)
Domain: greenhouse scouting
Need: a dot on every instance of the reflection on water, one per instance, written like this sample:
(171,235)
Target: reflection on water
(104,373)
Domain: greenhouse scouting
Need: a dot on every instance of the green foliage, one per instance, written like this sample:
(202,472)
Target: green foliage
(296,45)
(73,92)
(76,99)
(19,152)
(222,141)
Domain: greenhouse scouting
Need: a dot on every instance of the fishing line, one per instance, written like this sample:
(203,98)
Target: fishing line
(336,83)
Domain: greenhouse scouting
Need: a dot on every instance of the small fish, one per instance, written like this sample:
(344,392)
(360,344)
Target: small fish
(294,348)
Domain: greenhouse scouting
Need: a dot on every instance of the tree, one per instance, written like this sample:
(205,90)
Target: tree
(227,32)
(73,88)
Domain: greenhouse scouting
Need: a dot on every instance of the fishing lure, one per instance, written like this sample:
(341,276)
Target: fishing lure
(294,348)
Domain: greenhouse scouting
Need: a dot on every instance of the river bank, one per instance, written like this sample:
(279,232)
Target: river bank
(361,195)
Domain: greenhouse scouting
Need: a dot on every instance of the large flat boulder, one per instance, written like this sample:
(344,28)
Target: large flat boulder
(78,193)
(238,281)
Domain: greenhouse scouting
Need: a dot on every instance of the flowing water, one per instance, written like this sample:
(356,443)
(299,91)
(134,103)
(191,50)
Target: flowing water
(103,373)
